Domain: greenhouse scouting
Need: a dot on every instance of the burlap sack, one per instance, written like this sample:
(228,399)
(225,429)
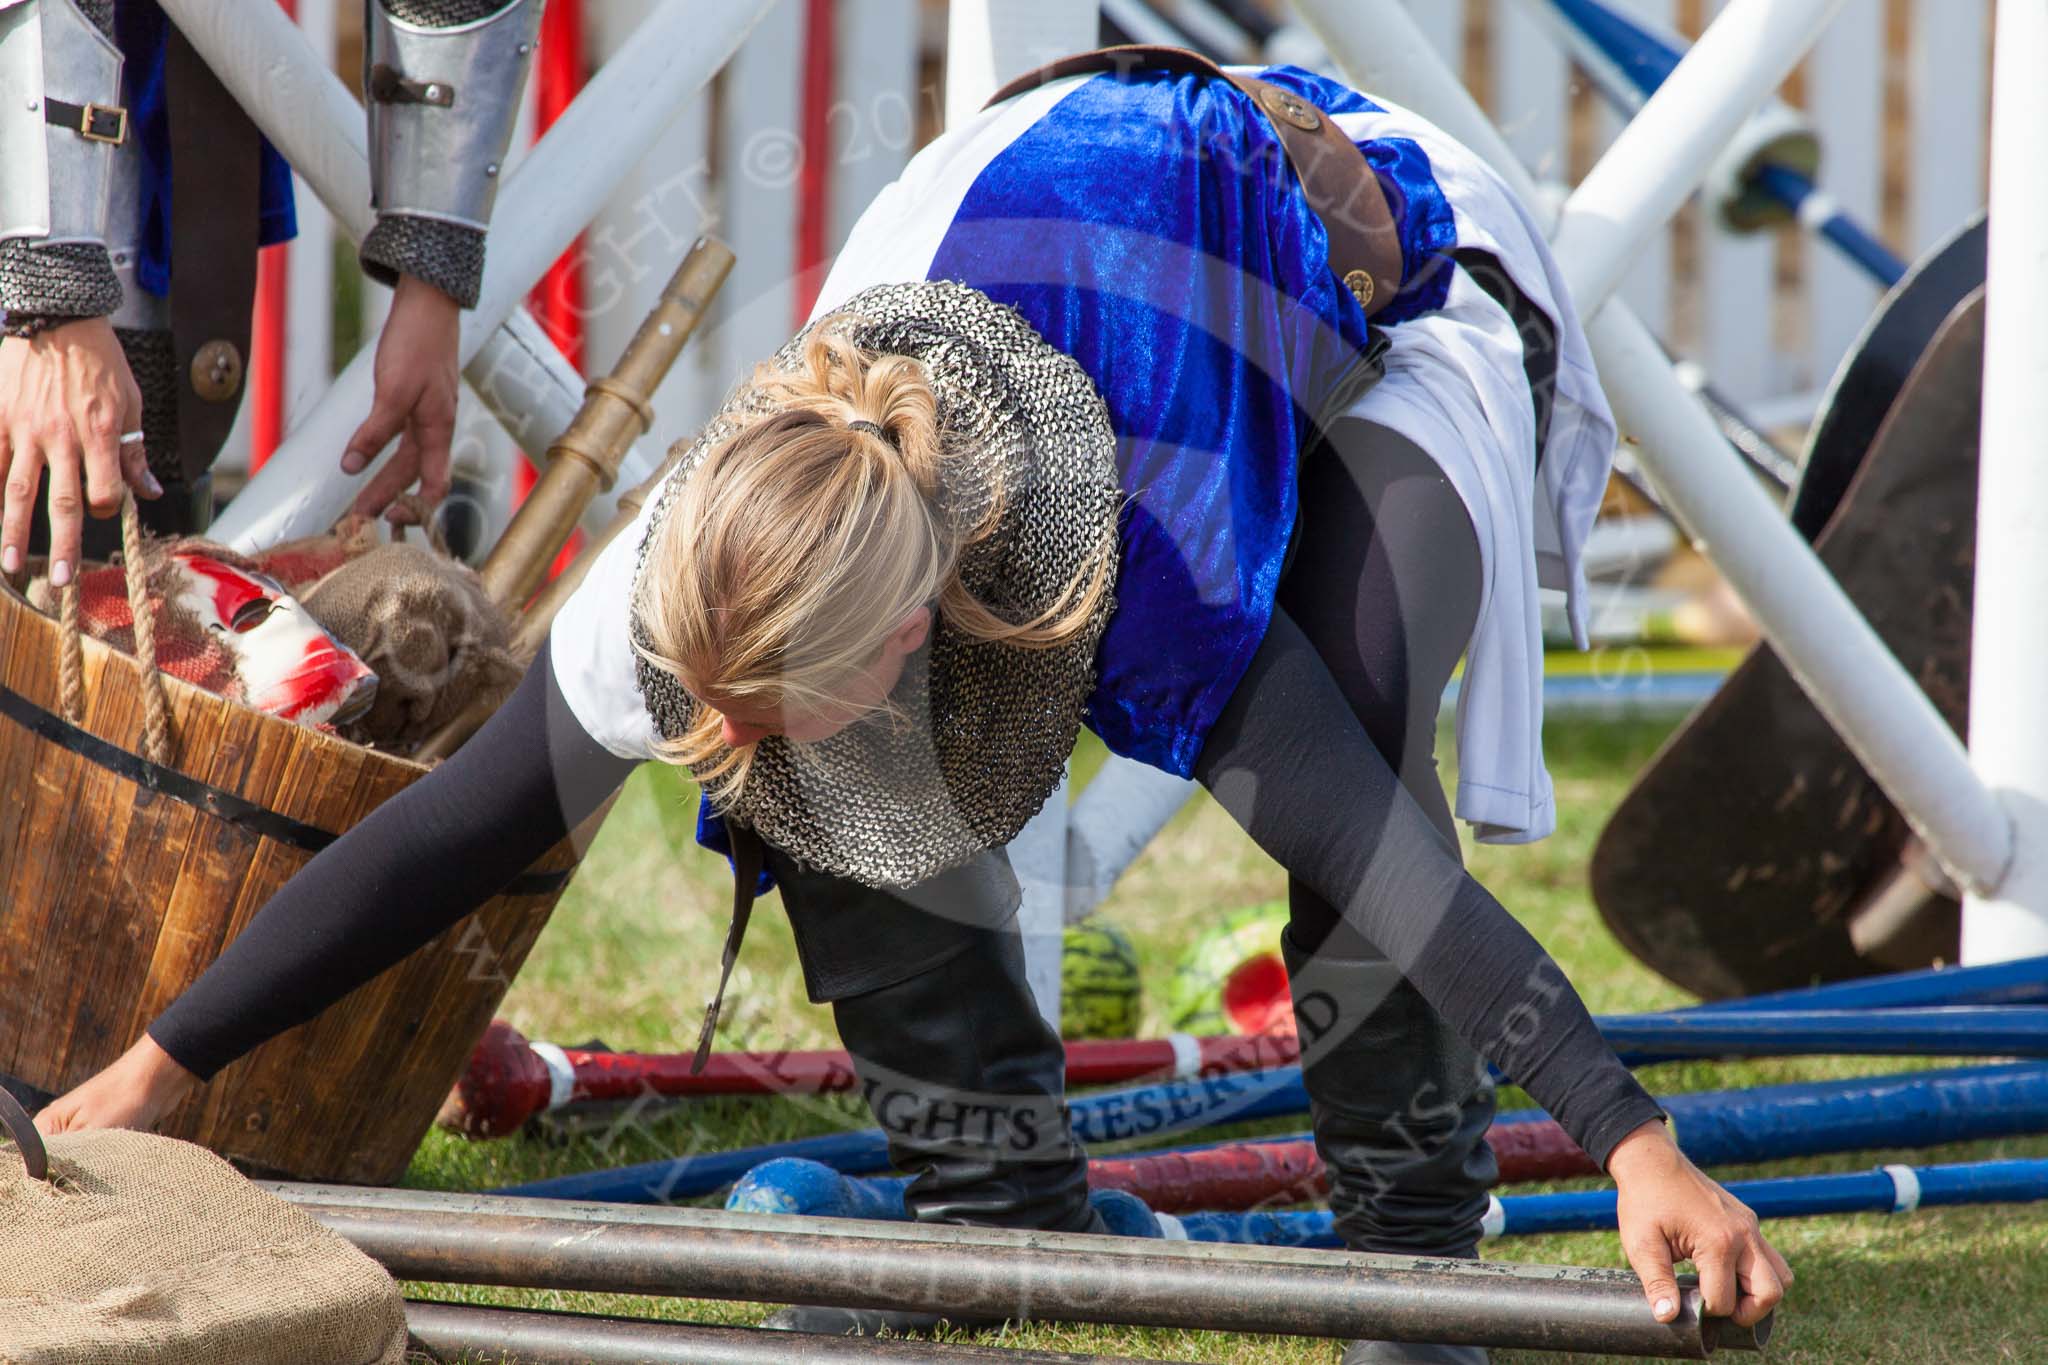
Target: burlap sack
(425,624)
(147,1249)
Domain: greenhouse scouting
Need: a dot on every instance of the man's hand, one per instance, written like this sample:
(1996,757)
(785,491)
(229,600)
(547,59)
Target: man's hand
(66,396)
(1670,1211)
(138,1088)
(417,378)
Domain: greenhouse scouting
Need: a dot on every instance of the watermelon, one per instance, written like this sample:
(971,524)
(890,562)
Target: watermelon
(1099,996)
(1231,978)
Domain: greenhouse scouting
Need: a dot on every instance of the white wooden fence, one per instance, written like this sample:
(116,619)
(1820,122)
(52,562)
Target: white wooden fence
(1897,90)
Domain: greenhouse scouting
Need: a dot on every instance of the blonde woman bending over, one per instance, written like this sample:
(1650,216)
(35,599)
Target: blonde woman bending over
(1087,432)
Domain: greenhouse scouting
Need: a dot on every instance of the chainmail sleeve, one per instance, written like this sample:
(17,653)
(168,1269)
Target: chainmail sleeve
(41,286)
(448,256)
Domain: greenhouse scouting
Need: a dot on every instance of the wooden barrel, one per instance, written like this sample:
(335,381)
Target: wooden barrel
(120,881)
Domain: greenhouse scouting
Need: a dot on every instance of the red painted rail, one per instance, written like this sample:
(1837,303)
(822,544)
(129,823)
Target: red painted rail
(509,1079)
(1253,1174)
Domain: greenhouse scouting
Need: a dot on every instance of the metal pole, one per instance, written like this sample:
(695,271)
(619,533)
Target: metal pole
(2009,659)
(1774,154)
(555,190)
(1668,148)
(518,1336)
(1009,1274)
(1855,681)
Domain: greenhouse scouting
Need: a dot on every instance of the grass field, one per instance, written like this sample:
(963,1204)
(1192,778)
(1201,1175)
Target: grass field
(632,955)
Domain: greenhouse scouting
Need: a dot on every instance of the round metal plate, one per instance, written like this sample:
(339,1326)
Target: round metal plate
(217,371)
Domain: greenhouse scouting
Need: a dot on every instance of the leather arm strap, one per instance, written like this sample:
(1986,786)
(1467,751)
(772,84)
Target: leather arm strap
(1339,184)
(93,122)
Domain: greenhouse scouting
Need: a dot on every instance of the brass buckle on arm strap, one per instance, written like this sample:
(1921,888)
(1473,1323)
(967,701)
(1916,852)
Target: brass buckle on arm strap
(94,122)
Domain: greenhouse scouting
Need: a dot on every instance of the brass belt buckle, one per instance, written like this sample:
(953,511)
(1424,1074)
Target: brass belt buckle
(89,123)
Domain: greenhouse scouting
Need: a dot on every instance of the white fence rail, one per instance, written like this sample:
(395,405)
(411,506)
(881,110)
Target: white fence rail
(1898,91)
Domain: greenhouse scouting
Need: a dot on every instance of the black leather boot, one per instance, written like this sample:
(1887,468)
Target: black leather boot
(956,1063)
(1400,1106)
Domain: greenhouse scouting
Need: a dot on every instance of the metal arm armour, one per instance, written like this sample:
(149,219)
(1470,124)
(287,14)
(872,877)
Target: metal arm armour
(442,80)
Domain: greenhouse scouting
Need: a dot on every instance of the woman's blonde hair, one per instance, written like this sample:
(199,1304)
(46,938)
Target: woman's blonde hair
(797,545)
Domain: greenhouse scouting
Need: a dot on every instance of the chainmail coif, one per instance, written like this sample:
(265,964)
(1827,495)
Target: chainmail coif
(987,727)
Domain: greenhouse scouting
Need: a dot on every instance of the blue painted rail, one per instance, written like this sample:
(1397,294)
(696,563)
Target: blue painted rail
(1162,1111)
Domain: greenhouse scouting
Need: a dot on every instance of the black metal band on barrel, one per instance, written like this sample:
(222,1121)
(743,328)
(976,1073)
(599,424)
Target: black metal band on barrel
(213,801)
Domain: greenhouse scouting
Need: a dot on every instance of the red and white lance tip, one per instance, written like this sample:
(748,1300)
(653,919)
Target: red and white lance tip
(285,662)
(509,1079)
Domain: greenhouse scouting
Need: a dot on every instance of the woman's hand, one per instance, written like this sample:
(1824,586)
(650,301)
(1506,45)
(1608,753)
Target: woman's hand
(66,397)
(1670,1211)
(140,1087)
(418,378)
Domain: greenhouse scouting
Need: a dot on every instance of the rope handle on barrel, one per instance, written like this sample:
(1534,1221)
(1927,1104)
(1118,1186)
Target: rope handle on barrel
(156,703)
(34,1156)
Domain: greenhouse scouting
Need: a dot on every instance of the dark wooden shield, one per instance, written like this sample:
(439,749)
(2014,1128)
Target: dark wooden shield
(1748,848)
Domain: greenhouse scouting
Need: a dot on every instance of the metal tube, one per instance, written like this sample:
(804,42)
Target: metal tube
(1837,658)
(616,410)
(1629,57)
(1668,147)
(540,612)
(544,203)
(2008,727)
(523,1336)
(1001,1273)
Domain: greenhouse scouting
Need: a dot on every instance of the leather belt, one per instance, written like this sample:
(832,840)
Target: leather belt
(1336,179)
(215,213)
(93,122)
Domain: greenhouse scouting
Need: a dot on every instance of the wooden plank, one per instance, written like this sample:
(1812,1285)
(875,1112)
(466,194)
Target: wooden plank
(1531,84)
(1949,107)
(639,236)
(1845,101)
(245,753)
(247,1112)
(73,1026)
(874,118)
(58,826)
(1647,286)
(1443,22)
(760,155)
(1738,285)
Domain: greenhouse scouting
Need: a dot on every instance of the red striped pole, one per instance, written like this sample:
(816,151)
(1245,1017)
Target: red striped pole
(814,184)
(557,301)
(267,339)
(510,1079)
(1252,1175)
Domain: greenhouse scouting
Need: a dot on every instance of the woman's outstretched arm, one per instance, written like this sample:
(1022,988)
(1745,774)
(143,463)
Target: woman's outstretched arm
(415,866)
(1291,764)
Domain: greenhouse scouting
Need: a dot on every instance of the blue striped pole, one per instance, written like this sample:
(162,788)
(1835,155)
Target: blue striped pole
(1713,1128)
(1159,1111)
(1811,1118)
(1629,60)
(1887,1189)
(1145,1111)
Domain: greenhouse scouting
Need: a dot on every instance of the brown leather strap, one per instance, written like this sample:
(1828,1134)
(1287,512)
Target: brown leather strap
(215,208)
(747,856)
(1365,245)
(93,122)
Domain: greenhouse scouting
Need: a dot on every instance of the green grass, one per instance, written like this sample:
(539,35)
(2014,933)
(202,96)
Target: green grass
(632,955)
